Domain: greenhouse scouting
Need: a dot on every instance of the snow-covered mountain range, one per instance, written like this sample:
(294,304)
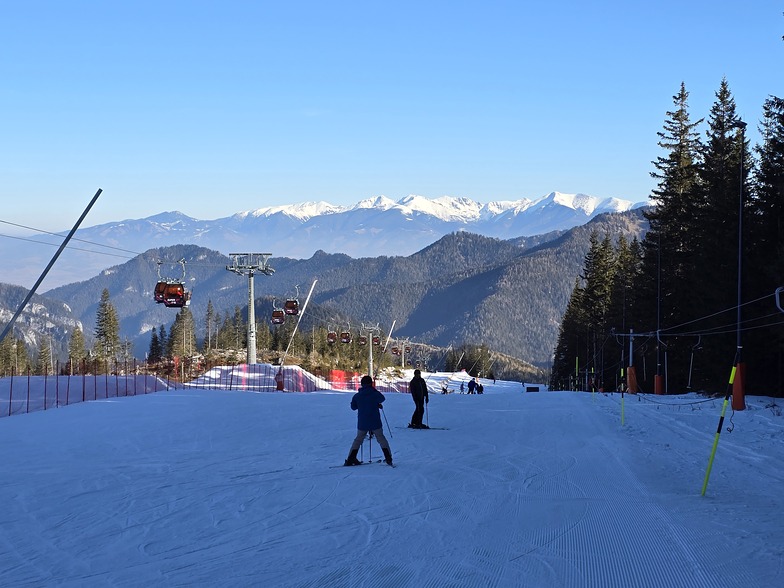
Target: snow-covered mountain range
(370,228)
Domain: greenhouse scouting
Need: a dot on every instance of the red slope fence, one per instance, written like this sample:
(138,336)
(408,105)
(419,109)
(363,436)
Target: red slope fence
(20,394)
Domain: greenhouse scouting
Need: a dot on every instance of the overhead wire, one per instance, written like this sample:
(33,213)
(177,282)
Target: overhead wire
(5,222)
(667,331)
(132,256)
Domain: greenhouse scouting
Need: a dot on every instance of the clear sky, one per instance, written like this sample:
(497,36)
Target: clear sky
(212,108)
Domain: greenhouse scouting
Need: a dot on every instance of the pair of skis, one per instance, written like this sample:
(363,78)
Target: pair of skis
(423,429)
(364,463)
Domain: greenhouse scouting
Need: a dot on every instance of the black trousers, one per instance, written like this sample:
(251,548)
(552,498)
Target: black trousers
(419,412)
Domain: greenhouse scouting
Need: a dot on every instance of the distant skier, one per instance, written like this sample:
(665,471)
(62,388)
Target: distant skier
(471,385)
(418,389)
(367,402)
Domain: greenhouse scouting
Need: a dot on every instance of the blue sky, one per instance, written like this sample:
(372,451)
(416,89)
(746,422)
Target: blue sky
(212,108)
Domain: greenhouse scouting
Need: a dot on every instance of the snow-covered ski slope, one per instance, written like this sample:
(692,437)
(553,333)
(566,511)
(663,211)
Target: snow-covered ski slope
(218,488)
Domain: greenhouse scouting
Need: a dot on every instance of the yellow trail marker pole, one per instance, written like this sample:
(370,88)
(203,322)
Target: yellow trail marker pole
(622,380)
(718,429)
(621,408)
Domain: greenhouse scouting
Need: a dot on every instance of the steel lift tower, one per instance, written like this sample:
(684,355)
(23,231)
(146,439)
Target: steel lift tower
(248,264)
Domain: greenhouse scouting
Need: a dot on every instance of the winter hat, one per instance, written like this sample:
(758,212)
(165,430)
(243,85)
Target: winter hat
(417,373)
(366,381)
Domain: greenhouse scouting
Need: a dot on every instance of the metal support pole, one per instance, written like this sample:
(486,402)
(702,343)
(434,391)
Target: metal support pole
(251,320)
(247,264)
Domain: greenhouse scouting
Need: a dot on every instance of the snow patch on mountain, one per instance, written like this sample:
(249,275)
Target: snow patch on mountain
(445,208)
(302,211)
(378,203)
(298,230)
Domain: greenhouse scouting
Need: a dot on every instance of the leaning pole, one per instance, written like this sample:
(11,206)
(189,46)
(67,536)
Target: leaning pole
(32,291)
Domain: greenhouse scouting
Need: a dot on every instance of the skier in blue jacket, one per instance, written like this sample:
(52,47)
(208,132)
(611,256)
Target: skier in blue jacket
(367,402)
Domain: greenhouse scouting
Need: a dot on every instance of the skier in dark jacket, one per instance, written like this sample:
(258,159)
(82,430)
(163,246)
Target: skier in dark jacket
(367,402)
(418,389)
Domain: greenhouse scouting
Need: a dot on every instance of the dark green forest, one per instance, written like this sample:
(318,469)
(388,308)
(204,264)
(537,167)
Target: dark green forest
(698,294)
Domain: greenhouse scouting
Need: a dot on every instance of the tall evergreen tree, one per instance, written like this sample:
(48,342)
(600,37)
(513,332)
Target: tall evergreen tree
(155,352)
(766,225)
(598,273)
(182,337)
(76,351)
(209,323)
(715,271)
(240,329)
(163,337)
(672,240)
(225,336)
(566,359)
(43,364)
(765,265)
(625,285)
(107,330)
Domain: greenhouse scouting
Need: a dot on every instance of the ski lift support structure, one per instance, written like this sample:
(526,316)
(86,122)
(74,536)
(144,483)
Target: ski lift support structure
(294,332)
(371,330)
(249,264)
(389,338)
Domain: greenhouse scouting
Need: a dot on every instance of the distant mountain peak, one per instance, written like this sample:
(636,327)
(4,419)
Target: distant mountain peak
(301,211)
(373,227)
(379,202)
(445,208)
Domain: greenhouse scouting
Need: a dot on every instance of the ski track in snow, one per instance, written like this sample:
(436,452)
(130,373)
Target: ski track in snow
(540,489)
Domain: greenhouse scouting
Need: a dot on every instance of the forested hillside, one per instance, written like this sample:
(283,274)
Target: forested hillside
(463,289)
(701,295)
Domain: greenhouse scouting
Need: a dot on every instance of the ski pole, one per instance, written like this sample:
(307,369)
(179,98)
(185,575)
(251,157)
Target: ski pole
(427,414)
(386,421)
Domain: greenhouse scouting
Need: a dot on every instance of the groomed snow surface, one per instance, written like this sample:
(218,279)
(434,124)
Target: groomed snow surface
(540,489)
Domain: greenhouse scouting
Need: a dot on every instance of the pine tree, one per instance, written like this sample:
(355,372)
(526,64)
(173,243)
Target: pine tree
(14,359)
(766,225)
(715,270)
(43,364)
(671,242)
(7,356)
(155,352)
(107,330)
(240,329)
(628,262)
(597,276)
(765,261)
(163,337)
(182,337)
(225,335)
(209,323)
(76,351)
(566,358)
